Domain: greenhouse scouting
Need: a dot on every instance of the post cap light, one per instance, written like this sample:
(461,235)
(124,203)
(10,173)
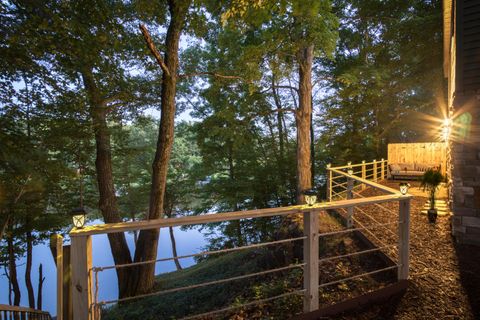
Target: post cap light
(350,171)
(78,217)
(310,196)
(404,187)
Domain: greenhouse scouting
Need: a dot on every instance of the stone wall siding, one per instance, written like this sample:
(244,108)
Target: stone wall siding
(465,172)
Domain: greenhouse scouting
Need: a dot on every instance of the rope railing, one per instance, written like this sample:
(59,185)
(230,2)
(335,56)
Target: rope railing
(248,304)
(204,284)
(199,254)
(342,187)
(357,276)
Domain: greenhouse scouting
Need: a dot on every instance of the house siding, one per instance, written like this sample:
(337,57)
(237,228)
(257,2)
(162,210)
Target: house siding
(464,106)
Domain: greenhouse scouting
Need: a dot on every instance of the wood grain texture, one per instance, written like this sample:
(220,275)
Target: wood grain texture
(310,256)
(81,261)
(228,216)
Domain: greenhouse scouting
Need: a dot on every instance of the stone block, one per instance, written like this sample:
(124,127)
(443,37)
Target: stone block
(458,231)
(473,239)
(462,211)
(468,191)
(475,183)
(471,222)
(458,198)
(469,202)
(457,221)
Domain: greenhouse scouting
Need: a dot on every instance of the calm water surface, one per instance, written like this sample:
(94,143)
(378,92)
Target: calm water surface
(188,242)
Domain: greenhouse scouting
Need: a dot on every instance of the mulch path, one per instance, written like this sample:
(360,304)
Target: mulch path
(444,276)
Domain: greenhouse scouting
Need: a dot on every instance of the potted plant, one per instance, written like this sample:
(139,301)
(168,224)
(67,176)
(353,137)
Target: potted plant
(430,182)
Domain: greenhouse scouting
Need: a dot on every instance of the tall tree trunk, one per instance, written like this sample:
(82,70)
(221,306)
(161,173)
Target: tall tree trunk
(148,239)
(174,249)
(303,115)
(281,141)
(312,145)
(4,218)
(13,271)
(28,271)
(103,165)
(9,285)
(41,279)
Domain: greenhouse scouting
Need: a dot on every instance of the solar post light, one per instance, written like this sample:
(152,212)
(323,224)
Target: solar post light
(404,187)
(78,217)
(310,196)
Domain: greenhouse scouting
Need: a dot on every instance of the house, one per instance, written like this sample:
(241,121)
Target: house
(461,26)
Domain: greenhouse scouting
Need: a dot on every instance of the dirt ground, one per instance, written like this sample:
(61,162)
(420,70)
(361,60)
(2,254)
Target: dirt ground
(444,276)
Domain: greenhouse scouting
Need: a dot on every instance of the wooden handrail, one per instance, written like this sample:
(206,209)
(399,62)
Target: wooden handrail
(359,164)
(236,215)
(22,311)
(367,182)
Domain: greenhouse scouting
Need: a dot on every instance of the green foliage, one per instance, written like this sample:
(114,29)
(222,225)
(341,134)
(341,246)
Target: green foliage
(179,304)
(387,73)
(430,182)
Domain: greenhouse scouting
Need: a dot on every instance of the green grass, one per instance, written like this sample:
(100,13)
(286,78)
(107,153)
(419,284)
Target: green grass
(194,301)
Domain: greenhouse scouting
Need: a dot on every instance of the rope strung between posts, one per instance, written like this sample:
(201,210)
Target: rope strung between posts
(297,292)
(355,253)
(203,253)
(358,276)
(375,220)
(292,266)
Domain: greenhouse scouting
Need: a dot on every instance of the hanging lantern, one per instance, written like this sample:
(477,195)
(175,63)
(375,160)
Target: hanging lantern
(78,217)
(310,196)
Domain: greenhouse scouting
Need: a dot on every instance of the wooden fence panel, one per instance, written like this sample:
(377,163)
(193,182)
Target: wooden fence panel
(422,153)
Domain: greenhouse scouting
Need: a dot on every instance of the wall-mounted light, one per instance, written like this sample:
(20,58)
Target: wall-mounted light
(446,129)
(404,187)
(310,196)
(78,217)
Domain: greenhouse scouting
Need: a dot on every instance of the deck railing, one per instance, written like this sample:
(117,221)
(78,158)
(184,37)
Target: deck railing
(337,180)
(84,276)
(8,312)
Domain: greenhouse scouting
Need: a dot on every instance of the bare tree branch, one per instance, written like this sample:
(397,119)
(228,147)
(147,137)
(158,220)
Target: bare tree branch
(153,49)
(212,74)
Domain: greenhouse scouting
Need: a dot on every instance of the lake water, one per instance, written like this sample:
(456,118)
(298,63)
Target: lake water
(188,242)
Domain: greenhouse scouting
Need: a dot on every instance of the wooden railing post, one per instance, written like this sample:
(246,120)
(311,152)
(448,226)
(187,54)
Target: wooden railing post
(375,171)
(81,263)
(329,182)
(67,284)
(364,174)
(310,256)
(403,238)
(349,196)
(58,243)
(383,170)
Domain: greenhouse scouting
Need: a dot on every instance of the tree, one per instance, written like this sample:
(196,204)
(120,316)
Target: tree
(294,32)
(387,71)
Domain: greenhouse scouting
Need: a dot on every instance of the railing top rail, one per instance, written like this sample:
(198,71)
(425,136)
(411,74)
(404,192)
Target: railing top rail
(358,164)
(6,307)
(236,215)
(367,182)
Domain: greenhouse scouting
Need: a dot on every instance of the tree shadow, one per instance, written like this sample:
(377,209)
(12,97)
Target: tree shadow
(469,267)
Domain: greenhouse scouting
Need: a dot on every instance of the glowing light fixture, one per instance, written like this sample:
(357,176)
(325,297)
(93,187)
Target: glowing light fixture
(404,187)
(350,171)
(310,196)
(78,217)
(446,129)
